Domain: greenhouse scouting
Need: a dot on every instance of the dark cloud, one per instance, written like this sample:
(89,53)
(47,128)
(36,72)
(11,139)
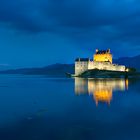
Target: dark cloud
(101,23)
(75,13)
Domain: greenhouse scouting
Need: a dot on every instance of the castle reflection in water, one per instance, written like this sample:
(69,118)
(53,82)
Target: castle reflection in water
(101,89)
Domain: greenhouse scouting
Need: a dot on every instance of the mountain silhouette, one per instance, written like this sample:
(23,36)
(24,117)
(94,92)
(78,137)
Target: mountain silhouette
(61,69)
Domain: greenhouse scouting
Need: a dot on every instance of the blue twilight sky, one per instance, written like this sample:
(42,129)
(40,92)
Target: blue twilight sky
(41,32)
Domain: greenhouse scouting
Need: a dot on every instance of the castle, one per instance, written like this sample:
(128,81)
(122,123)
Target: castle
(102,60)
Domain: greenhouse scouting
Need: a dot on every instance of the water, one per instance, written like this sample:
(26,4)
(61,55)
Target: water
(41,108)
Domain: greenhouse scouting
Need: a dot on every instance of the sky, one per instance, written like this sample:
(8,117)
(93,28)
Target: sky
(36,33)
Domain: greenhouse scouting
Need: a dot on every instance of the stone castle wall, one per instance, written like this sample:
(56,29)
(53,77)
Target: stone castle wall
(105,66)
(82,66)
(103,57)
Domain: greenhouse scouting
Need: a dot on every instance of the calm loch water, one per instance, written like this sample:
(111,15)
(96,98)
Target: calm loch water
(41,108)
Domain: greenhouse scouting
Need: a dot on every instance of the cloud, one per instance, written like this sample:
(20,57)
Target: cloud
(91,23)
(75,13)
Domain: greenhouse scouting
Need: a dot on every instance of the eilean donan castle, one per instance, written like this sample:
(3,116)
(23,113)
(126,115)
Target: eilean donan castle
(102,60)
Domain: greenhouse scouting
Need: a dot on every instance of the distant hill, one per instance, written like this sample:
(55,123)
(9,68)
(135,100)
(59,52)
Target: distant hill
(51,70)
(61,69)
(129,61)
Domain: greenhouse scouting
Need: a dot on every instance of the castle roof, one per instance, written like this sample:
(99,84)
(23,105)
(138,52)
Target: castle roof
(82,59)
(102,51)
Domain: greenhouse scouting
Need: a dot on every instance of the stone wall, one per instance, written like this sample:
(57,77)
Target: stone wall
(81,66)
(105,66)
(102,57)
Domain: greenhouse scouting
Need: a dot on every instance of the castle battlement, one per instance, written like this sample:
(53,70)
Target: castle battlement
(102,60)
(102,56)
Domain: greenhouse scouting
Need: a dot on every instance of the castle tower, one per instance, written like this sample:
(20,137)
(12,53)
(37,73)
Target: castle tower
(81,65)
(102,56)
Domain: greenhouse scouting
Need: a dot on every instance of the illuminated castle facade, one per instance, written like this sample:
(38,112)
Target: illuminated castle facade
(102,60)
